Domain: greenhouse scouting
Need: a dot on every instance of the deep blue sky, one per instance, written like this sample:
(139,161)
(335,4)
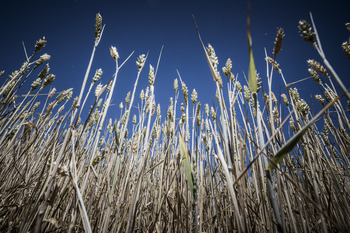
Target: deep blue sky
(146,25)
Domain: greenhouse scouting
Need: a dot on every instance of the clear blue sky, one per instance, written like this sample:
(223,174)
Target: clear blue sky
(146,25)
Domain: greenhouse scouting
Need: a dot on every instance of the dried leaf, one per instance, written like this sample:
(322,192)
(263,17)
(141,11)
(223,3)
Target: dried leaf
(53,221)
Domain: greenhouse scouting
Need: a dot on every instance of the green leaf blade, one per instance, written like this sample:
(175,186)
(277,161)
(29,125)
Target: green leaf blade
(252,79)
(282,153)
(288,147)
(187,165)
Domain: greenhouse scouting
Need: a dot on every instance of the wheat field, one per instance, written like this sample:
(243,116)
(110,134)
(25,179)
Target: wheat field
(254,161)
